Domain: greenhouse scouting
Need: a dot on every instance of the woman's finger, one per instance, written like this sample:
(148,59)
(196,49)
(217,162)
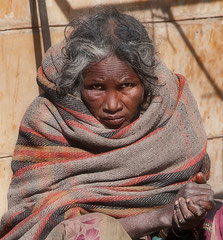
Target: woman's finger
(195,209)
(179,214)
(175,219)
(207,205)
(198,178)
(192,188)
(196,186)
(201,198)
(186,213)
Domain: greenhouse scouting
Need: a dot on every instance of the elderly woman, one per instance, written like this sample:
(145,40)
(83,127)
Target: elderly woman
(114,148)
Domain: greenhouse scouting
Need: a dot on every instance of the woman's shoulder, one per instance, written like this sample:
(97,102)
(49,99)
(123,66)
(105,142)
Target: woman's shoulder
(41,101)
(39,110)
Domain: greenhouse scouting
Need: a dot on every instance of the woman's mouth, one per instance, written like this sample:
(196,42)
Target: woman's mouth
(114,121)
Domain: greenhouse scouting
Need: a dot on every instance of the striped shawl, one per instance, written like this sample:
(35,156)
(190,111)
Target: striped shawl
(66,163)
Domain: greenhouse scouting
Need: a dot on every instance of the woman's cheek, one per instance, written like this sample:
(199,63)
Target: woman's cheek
(135,97)
(93,95)
(94,100)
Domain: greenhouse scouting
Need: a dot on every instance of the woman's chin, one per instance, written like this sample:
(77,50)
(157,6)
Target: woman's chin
(115,124)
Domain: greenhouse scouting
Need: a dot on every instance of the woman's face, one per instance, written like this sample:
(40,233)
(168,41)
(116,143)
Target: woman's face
(112,92)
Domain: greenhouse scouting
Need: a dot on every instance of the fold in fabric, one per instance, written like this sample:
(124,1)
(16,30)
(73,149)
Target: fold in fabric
(67,164)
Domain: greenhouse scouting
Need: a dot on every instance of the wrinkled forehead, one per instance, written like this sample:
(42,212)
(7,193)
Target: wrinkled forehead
(109,67)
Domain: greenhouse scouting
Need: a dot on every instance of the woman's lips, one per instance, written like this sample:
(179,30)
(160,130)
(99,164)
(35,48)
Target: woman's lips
(114,121)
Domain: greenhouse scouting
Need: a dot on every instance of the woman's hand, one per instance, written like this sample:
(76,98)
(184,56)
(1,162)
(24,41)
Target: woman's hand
(198,191)
(187,214)
(200,194)
(194,200)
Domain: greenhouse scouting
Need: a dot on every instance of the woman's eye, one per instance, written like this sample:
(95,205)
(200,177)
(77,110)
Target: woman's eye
(127,85)
(96,87)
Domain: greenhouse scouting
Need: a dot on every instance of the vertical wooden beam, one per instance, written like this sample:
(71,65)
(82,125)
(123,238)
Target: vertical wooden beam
(35,32)
(44,24)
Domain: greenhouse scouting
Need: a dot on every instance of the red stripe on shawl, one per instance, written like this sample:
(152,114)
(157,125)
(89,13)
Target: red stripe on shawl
(126,188)
(48,136)
(48,154)
(124,130)
(181,86)
(79,115)
(46,202)
(23,170)
(190,163)
(43,220)
(32,215)
(37,165)
(79,125)
(40,70)
(30,130)
(74,211)
(193,160)
(184,134)
(11,218)
(101,199)
(182,83)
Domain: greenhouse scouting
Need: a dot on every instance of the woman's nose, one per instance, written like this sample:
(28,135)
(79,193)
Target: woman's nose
(112,103)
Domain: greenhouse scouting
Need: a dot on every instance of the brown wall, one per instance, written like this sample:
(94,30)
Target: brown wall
(188,36)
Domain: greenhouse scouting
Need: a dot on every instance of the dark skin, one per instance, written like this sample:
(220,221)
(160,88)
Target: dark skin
(113,93)
(191,206)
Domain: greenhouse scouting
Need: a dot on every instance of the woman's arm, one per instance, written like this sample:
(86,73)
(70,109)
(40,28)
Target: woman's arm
(149,222)
(192,202)
(190,211)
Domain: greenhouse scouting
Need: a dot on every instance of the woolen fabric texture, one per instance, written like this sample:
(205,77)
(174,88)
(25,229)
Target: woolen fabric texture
(66,163)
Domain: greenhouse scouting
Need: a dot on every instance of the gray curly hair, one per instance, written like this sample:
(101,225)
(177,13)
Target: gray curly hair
(100,35)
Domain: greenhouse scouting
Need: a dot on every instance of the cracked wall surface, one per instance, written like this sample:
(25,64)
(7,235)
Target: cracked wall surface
(188,37)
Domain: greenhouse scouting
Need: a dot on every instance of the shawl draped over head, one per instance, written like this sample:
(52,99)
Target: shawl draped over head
(66,163)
